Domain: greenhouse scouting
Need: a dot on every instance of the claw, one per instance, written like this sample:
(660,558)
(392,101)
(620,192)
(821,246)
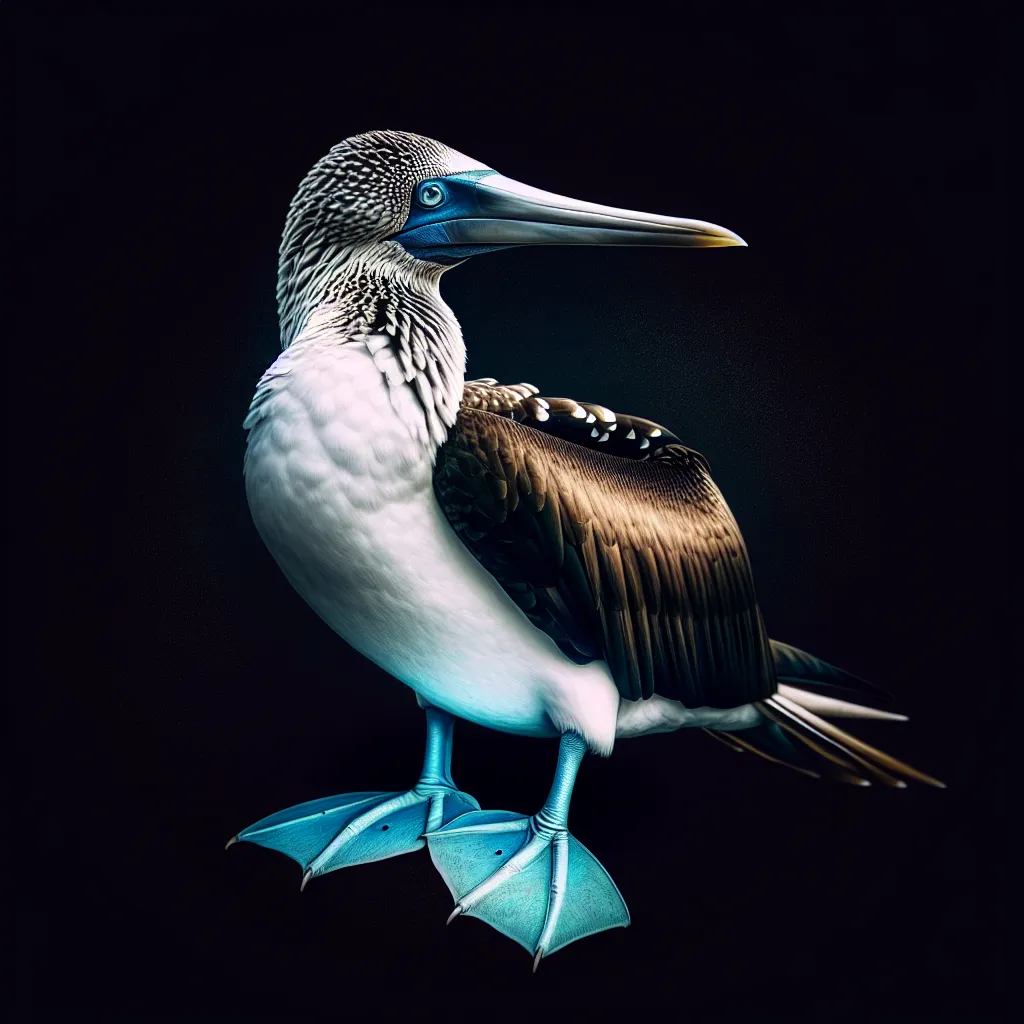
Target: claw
(537,959)
(454,914)
(305,879)
(231,842)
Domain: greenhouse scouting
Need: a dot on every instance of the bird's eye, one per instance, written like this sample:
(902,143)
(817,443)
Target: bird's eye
(430,194)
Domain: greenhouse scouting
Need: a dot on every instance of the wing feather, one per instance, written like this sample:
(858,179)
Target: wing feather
(634,558)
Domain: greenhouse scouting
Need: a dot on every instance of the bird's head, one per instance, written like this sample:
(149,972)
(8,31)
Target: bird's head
(387,199)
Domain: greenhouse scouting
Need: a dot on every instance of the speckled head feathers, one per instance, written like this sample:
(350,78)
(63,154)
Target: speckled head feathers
(361,190)
(351,200)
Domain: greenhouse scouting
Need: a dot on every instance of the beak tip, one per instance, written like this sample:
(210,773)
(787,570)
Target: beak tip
(713,236)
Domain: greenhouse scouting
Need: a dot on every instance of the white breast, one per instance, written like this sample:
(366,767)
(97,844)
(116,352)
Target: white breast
(341,493)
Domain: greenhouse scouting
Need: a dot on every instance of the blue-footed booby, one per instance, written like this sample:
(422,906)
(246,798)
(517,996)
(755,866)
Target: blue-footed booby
(540,566)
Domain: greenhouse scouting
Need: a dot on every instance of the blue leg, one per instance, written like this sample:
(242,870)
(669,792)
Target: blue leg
(357,828)
(527,876)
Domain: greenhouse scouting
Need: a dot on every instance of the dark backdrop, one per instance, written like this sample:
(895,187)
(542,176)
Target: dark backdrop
(845,376)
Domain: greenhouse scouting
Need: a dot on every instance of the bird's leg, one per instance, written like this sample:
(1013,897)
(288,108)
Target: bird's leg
(435,782)
(357,828)
(528,877)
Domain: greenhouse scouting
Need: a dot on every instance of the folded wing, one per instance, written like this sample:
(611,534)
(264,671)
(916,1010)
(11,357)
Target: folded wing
(632,557)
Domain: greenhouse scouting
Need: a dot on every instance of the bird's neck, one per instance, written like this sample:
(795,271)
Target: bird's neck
(391,301)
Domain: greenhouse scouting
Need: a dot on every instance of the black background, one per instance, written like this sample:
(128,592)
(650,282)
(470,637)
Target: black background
(845,376)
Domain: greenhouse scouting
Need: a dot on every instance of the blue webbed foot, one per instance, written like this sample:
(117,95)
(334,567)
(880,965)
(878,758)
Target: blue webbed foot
(527,876)
(357,828)
(535,883)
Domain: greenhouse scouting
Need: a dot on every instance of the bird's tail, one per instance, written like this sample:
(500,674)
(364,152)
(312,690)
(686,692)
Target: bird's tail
(794,731)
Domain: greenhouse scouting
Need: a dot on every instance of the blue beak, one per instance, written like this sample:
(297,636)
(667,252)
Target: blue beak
(461,215)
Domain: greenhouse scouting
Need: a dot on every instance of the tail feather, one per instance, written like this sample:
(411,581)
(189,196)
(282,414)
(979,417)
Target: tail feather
(790,717)
(832,707)
(799,669)
(793,733)
(726,739)
(767,740)
(852,747)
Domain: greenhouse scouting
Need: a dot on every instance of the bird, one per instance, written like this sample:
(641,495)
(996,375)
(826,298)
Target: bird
(539,566)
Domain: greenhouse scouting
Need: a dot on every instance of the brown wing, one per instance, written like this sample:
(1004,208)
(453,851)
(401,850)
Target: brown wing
(637,562)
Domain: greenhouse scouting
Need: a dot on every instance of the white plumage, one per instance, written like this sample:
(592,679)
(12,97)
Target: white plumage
(340,491)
